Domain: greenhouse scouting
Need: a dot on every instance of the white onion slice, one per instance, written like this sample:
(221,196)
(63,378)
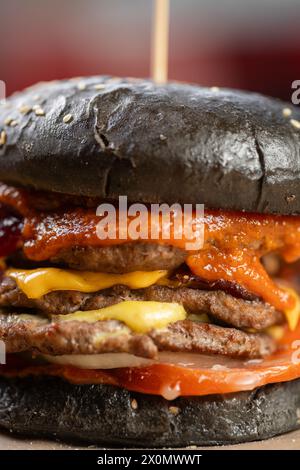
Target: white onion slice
(99,361)
(118,360)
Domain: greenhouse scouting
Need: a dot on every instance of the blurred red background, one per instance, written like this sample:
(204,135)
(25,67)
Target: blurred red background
(237,43)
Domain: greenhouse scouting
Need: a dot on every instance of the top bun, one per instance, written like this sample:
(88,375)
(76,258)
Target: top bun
(104,137)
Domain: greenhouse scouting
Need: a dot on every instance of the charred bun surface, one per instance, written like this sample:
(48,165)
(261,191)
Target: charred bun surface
(104,414)
(102,137)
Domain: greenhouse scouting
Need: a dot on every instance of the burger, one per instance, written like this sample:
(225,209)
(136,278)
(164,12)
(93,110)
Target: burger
(139,341)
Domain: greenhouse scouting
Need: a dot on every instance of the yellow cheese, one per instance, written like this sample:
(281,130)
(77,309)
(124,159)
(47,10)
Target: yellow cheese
(292,314)
(139,316)
(37,282)
(275,331)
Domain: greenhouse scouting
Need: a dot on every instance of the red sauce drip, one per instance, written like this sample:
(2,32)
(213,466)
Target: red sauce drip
(233,245)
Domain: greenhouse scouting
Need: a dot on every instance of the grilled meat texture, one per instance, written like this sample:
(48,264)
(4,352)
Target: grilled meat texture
(122,258)
(218,304)
(41,335)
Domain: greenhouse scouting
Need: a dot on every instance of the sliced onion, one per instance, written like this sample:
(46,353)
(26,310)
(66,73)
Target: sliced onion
(99,361)
(119,360)
(199,361)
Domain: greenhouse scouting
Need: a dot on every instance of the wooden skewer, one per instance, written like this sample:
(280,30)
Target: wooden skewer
(160,41)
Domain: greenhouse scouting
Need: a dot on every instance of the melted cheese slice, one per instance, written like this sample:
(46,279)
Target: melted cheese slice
(293,314)
(37,282)
(139,316)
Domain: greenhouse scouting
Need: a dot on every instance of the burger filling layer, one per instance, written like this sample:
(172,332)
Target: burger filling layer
(71,299)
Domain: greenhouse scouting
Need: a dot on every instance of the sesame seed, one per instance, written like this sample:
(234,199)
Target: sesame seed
(39,112)
(174,410)
(286,112)
(35,107)
(25,109)
(162,137)
(68,118)
(291,198)
(295,123)
(99,86)
(36,98)
(2,138)
(28,147)
(132,161)
(134,404)
(8,121)
(14,123)
(215,89)
(81,86)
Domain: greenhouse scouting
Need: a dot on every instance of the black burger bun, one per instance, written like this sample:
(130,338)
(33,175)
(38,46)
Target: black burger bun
(105,137)
(104,414)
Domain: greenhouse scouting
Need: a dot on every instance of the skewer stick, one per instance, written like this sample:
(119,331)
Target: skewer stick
(160,41)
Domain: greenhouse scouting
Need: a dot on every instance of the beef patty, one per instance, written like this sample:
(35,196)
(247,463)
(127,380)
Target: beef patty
(122,258)
(219,305)
(56,337)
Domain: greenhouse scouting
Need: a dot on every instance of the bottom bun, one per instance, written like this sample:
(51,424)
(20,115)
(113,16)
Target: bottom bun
(104,414)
